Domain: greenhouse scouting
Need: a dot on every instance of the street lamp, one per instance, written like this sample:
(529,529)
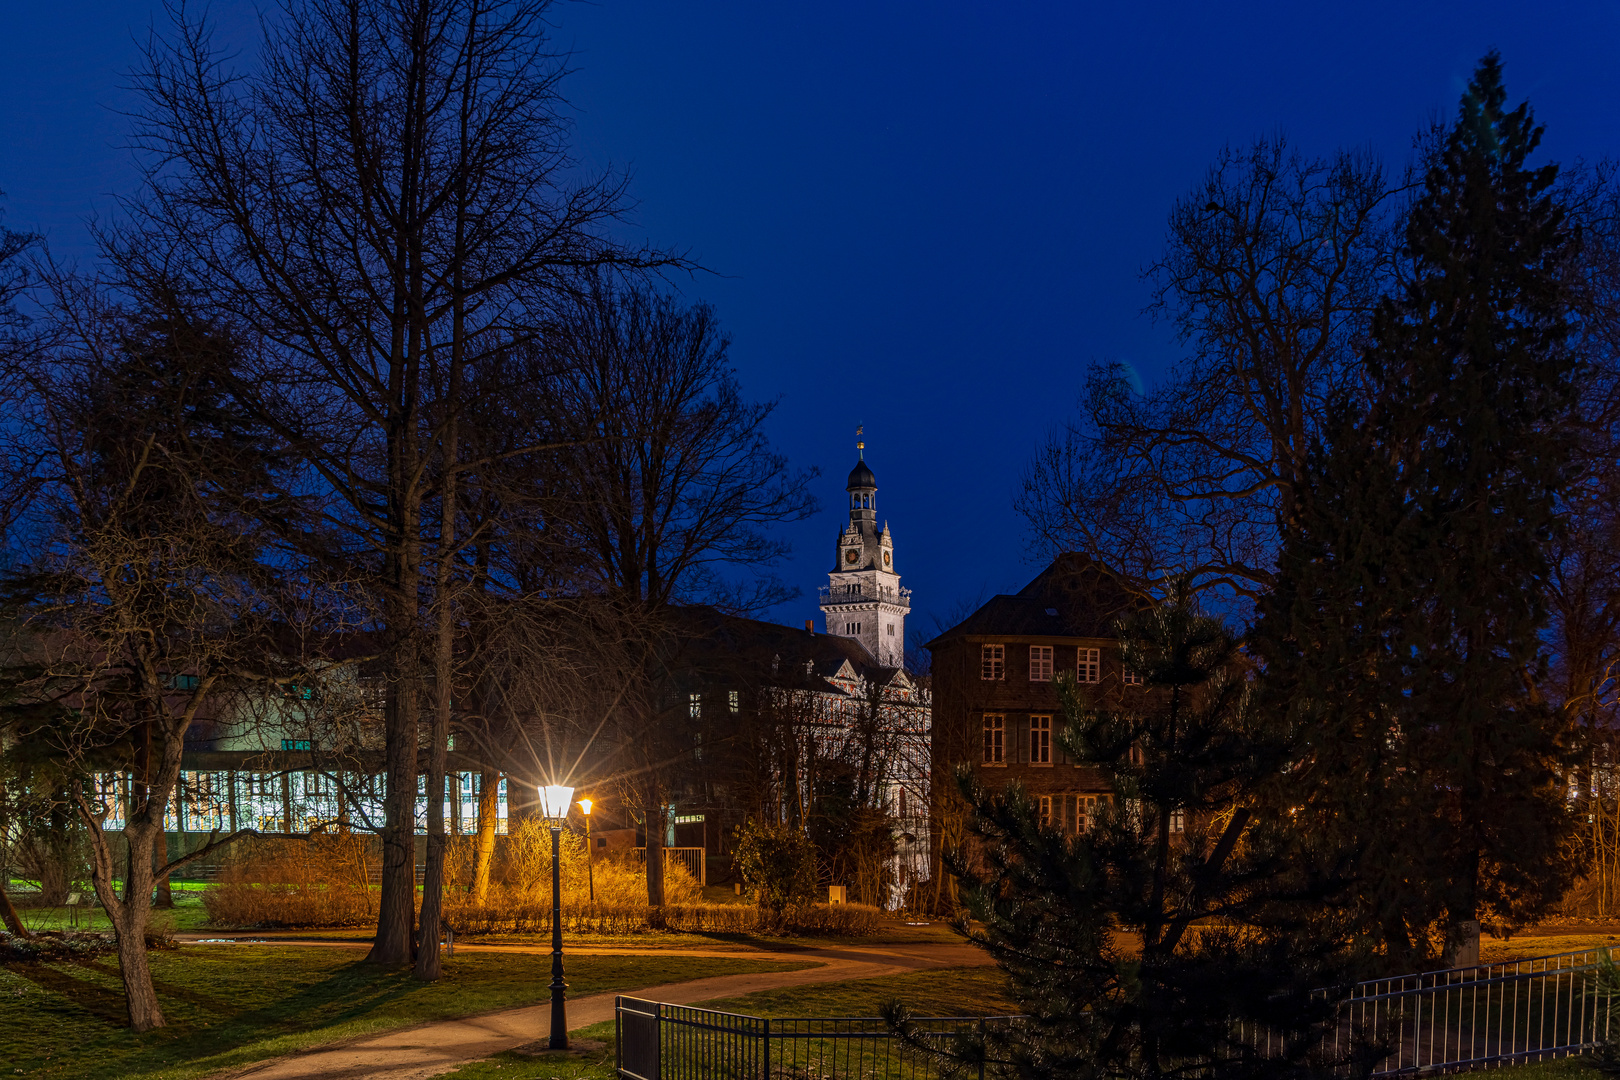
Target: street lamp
(590,852)
(554,802)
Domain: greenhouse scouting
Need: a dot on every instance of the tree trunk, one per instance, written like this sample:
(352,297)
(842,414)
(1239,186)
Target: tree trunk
(654,813)
(489,782)
(139,993)
(160,859)
(9,916)
(130,914)
(396,903)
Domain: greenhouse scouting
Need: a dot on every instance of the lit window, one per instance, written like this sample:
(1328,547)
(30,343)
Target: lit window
(1079,813)
(1040,663)
(295,744)
(992,662)
(995,739)
(695,705)
(731,699)
(1178,821)
(1040,740)
(1089,668)
(1044,802)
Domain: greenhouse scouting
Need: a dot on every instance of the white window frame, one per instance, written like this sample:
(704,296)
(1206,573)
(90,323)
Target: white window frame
(992,663)
(1040,663)
(1130,677)
(995,739)
(1088,665)
(1043,804)
(1178,821)
(1040,740)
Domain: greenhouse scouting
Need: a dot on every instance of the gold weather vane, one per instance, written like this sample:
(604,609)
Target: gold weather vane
(860,446)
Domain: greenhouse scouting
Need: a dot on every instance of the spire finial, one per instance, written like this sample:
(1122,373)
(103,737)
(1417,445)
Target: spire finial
(860,444)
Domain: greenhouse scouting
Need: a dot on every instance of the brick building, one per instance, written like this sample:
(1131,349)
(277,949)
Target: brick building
(996,706)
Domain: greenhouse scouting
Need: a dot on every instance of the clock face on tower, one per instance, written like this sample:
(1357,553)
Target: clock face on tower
(852,556)
(885,558)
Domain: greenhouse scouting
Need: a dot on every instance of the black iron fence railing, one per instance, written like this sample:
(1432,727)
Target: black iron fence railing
(1439,1021)
(678,1042)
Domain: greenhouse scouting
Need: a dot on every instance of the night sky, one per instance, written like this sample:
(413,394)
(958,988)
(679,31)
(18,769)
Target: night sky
(927,218)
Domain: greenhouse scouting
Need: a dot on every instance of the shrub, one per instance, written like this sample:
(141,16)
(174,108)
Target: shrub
(838,920)
(778,865)
(321,881)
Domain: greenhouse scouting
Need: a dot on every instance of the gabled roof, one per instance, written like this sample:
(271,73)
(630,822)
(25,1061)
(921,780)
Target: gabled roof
(716,645)
(1076,596)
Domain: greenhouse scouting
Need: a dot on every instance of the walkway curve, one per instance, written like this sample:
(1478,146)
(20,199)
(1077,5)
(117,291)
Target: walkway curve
(432,1049)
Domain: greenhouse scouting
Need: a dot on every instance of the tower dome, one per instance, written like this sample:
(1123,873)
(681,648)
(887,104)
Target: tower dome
(860,477)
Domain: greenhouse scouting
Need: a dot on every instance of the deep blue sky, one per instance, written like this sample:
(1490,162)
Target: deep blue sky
(930,217)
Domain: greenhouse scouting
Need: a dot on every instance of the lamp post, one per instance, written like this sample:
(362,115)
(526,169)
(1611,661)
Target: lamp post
(554,802)
(590,852)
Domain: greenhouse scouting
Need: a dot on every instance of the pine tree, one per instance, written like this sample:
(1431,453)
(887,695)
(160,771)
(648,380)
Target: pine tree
(1406,629)
(1183,859)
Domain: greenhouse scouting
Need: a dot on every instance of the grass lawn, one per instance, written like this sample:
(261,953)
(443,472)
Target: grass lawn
(230,1005)
(967,991)
(187,914)
(1495,950)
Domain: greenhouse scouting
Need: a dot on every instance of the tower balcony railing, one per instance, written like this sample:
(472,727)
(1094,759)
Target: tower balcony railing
(864,594)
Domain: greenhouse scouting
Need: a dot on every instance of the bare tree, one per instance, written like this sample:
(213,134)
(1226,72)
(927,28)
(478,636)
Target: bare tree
(388,200)
(144,604)
(1272,267)
(666,485)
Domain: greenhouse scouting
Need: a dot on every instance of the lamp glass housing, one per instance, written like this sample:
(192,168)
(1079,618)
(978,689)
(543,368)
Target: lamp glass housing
(585,807)
(555,800)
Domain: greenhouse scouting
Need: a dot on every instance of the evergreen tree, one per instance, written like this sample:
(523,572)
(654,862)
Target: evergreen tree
(1405,633)
(1183,859)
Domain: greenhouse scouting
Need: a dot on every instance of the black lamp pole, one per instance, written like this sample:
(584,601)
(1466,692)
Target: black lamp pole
(559,988)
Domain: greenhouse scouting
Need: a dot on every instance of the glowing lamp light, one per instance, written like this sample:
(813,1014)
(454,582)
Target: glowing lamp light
(585,807)
(555,800)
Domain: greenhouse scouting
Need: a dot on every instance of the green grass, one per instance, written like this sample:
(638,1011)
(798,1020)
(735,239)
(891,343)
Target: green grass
(231,1005)
(968,991)
(963,991)
(1561,1069)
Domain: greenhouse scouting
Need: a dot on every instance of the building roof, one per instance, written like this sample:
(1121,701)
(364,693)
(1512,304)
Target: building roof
(860,477)
(779,655)
(1076,596)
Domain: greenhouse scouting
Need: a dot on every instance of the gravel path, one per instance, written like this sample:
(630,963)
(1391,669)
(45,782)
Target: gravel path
(433,1049)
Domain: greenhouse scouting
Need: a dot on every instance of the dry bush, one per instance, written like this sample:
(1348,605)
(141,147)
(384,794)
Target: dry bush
(322,881)
(325,881)
(838,920)
(521,871)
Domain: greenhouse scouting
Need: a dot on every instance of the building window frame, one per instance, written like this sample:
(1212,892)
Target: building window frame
(1130,677)
(1040,740)
(1040,663)
(992,663)
(1088,665)
(995,739)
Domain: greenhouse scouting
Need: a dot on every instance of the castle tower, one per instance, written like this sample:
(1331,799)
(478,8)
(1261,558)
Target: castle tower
(863,598)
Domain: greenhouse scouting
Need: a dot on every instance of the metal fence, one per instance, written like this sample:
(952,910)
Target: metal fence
(1440,1021)
(1485,1016)
(657,1041)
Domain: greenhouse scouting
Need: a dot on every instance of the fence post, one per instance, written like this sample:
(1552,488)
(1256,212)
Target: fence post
(765,1052)
(983,1048)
